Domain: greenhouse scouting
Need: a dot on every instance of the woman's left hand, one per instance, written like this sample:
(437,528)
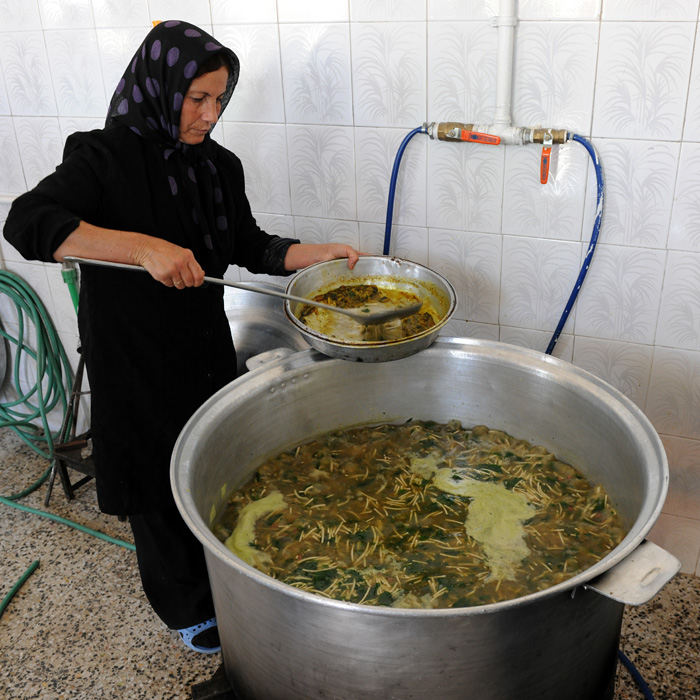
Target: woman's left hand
(301,255)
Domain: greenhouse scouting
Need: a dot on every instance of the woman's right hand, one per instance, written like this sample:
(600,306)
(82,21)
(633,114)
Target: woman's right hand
(170,264)
(166,262)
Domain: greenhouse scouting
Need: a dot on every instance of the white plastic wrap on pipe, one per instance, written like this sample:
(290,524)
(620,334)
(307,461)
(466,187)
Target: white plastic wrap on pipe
(505,23)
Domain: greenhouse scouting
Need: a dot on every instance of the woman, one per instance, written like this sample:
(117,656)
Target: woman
(153,189)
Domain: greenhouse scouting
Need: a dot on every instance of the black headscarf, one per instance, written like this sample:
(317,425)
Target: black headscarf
(148,100)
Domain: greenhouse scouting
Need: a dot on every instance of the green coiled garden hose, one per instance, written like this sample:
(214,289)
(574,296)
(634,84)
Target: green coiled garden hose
(27,415)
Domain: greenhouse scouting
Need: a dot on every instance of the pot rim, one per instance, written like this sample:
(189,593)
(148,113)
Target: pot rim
(292,364)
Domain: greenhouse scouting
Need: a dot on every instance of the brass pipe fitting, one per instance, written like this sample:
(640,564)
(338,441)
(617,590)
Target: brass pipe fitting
(558,135)
(451,131)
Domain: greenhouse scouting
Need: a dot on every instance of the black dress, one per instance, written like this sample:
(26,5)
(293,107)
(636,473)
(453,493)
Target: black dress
(153,354)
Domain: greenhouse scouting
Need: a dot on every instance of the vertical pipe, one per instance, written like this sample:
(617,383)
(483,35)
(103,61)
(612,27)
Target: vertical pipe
(505,22)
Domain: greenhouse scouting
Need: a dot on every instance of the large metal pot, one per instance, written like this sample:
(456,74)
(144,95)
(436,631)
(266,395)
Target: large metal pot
(280,643)
(389,273)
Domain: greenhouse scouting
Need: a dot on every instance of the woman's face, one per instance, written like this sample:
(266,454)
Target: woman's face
(202,106)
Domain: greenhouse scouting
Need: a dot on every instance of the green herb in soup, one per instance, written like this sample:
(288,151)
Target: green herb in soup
(419,515)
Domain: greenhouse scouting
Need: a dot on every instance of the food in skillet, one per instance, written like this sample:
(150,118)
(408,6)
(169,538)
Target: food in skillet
(351,296)
(419,515)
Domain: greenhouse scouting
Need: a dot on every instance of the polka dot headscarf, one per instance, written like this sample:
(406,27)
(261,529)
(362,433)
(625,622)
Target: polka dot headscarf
(148,100)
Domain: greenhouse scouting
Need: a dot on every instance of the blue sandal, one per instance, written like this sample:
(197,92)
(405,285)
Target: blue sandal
(189,633)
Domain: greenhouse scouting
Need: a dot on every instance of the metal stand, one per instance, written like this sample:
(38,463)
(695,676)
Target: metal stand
(68,452)
(216,688)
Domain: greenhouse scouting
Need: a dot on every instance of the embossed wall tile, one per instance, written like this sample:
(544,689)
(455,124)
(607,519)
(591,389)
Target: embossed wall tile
(462,72)
(27,76)
(472,264)
(645,10)
(626,366)
(11,173)
(227,12)
(389,78)
(193,11)
(19,15)
(407,242)
(312,230)
(258,95)
(559,9)
(65,14)
(41,146)
(75,68)
(538,340)
(642,79)
(621,294)
(684,233)
(456,10)
(554,75)
(681,537)
(684,485)
(316,72)
(673,403)
(4,100)
(10,254)
(536,280)
(263,151)
(387,10)
(122,13)
(5,247)
(553,210)
(691,129)
(375,155)
(465,186)
(321,171)
(679,315)
(70,125)
(468,329)
(639,181)
(313,11)
(116,49)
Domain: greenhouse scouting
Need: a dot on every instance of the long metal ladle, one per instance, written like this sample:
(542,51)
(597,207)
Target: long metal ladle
(363,315)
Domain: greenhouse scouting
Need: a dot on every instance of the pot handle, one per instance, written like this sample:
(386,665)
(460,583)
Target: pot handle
(269,356)
(638,577)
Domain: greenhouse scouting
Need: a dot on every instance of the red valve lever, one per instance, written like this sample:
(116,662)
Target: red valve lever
(544,164)
(478,137)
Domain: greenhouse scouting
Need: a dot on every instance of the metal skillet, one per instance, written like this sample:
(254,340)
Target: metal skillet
(364,314)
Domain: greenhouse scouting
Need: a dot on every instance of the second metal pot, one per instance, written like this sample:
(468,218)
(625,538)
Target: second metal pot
(386,272)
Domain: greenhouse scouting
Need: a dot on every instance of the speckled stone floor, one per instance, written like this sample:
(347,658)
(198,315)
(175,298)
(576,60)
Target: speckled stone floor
(80,628)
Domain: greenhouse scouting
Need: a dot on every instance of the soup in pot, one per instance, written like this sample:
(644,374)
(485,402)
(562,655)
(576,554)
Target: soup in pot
(419,515)
(367,296)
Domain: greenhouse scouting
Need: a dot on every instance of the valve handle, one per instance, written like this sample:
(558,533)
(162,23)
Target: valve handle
(544,164)
(546,157)
(478,137)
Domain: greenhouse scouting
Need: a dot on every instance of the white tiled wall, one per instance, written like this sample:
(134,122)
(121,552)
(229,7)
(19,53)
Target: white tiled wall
(330,88)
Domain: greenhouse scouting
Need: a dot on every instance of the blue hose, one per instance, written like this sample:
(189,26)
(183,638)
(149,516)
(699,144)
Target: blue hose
(392,185)
(636,675)
(591,245)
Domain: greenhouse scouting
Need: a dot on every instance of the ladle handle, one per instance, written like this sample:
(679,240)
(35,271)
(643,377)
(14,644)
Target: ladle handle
(214,280)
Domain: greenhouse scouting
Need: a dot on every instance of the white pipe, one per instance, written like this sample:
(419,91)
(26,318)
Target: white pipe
(8,198)
(505,23)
